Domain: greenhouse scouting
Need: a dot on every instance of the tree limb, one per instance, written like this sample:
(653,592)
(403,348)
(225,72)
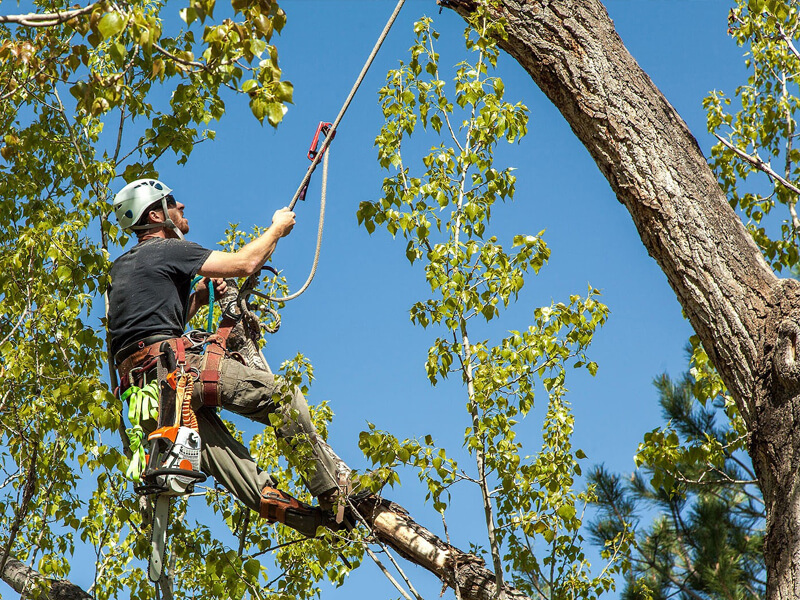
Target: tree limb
(21,577)
(46,19)
(759,164)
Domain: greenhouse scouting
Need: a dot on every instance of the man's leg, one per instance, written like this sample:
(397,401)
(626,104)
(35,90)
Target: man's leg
(256,395)
(231,465)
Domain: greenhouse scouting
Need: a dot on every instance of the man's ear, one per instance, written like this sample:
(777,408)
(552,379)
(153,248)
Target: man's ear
(156,216)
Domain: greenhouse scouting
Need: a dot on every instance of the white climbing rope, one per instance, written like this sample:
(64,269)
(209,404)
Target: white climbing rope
(319,235)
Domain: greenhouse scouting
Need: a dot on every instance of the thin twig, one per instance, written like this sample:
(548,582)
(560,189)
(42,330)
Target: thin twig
(18,324)
(385,571)
(759,164)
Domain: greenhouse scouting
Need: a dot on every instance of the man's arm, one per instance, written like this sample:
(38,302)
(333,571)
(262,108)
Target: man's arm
(251,257)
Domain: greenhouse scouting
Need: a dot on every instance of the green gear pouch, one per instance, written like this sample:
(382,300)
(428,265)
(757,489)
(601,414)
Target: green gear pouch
(142,405)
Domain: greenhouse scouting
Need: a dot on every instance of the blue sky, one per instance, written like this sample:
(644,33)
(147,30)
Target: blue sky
(353,321)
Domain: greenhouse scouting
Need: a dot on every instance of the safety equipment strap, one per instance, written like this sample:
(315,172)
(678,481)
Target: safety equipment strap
(215,350)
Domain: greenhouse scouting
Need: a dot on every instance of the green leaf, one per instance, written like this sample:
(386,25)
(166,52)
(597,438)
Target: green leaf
(111,24)
(566,512)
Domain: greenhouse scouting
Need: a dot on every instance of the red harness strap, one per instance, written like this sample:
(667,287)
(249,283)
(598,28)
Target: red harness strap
(216,349)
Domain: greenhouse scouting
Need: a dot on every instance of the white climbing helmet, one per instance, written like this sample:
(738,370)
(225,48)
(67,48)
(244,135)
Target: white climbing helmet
(132,200)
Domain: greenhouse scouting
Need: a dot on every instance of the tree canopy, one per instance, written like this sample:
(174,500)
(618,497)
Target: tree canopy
(75,83)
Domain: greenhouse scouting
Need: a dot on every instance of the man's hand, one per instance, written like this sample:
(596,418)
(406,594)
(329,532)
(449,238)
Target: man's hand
(201,289)
(283,221)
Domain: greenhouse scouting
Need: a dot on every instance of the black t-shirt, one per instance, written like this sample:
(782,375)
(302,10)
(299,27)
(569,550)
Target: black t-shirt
(150,289)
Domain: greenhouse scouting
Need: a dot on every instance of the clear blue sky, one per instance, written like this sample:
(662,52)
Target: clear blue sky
(353,322)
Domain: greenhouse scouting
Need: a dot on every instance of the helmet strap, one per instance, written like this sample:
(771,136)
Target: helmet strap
(169,222)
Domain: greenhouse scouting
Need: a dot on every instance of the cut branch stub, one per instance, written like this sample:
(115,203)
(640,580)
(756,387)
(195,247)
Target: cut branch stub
(787,366)
(459,570)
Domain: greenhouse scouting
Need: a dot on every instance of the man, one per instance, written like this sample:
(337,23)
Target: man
(150,301)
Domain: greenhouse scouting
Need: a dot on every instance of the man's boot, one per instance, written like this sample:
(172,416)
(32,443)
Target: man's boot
(279,506)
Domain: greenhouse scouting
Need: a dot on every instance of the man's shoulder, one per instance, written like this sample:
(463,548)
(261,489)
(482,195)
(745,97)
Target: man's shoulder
(182,244)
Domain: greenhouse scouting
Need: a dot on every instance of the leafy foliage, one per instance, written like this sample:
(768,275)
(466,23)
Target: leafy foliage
(532,512)
(86,96)
(763,129)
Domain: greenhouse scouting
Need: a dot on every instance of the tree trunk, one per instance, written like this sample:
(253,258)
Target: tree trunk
(746,317)
(22,579)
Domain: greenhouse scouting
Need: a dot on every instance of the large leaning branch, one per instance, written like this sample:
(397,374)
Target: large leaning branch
(22,579)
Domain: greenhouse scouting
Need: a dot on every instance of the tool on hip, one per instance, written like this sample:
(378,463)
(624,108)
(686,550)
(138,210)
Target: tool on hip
(173,462)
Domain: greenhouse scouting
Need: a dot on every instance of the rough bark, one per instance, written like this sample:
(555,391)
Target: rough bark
(746,317)
(459,570)
(22,578)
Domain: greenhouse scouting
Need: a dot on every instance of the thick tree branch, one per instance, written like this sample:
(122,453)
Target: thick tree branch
(21,578)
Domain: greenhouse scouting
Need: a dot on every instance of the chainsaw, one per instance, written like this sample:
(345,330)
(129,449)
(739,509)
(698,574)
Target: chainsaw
(173,466)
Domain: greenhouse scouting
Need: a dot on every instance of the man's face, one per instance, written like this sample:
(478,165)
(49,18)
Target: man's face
(176,214)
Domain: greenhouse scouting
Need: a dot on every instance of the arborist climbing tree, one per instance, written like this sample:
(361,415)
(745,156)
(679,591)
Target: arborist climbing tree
(142,54)
(150,303)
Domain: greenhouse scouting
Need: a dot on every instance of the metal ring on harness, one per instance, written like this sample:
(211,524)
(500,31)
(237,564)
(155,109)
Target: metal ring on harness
(228,314)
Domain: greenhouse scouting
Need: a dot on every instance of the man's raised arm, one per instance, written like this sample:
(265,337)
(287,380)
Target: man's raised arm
(251,257)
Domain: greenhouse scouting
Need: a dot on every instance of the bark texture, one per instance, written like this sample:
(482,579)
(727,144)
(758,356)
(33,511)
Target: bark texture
(22,578)
(747,318)
(459,570)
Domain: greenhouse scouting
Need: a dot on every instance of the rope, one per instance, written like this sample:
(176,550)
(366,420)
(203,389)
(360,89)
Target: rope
(364,69)
(323,151)
(184,415)
(210,319)
(319,236)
